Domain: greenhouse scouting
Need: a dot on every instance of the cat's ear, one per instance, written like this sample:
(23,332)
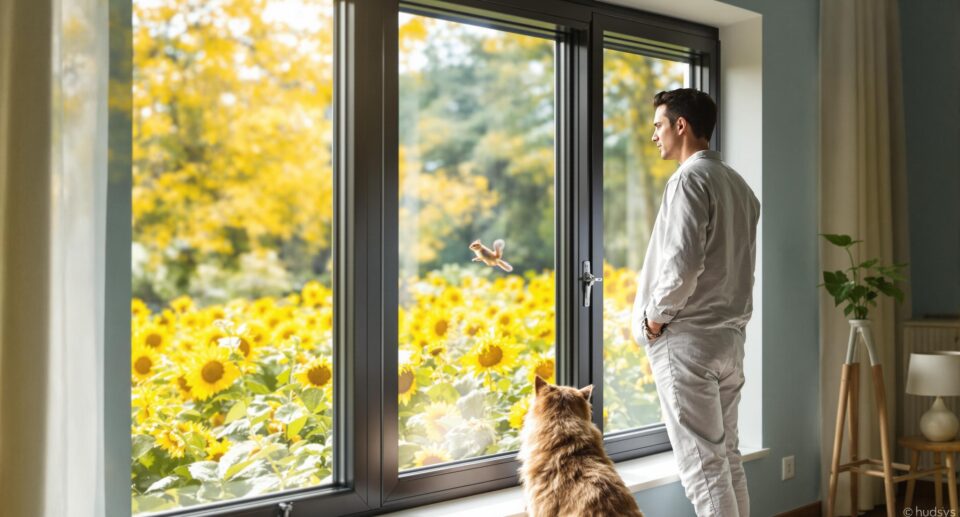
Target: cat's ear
(539,384)
(587,392)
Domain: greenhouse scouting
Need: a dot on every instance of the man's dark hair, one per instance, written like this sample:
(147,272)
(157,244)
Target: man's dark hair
(695,106)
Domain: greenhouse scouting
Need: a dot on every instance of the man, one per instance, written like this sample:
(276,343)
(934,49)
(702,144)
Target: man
(694,299)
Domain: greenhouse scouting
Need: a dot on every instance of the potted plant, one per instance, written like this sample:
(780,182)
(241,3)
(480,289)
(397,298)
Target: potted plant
(859,285)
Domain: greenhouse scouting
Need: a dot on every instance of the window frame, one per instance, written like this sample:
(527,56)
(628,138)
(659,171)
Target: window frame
(366,479)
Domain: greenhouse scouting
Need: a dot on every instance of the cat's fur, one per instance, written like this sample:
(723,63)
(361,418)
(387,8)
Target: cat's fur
(565,471)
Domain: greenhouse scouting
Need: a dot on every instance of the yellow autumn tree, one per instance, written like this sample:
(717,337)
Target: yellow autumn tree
(232,131)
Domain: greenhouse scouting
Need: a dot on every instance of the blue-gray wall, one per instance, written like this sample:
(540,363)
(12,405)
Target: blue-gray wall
(931,90)
(791,413)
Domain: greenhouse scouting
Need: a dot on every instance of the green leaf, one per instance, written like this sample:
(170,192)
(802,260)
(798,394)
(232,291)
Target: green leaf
(443,392)
(312,399)
(255,387)
(289,412)
(844,293)
(163,484)
(847,310)
(141,444)
(204,471)
(293,428)
(405,453)
(897,293)
(504,385)
(238,410)
(284,377)
(267,450)
(858,292)
(424,376)
(148,459)
(839,240)
(235,459)
(868,264)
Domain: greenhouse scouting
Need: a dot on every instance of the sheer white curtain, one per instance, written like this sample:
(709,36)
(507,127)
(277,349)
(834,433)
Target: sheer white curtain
(53,149)
(862,193)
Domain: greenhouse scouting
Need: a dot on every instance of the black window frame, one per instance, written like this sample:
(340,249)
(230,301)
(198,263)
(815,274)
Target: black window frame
(366,480)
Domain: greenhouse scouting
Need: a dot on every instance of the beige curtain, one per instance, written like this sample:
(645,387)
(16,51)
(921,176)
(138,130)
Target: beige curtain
(53,84)
(862,193)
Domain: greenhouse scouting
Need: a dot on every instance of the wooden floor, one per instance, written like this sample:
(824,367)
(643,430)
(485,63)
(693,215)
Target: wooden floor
(923,500)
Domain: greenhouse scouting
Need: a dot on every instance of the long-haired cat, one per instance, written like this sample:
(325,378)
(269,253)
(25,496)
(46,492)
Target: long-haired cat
(565,470)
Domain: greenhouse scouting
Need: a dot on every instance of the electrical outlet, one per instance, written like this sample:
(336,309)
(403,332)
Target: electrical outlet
(788,468)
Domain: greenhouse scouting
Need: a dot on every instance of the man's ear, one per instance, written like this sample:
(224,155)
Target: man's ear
(539,384)
(682,125)
(587,392)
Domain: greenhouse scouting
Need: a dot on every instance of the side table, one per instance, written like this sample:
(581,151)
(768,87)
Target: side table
(918,444)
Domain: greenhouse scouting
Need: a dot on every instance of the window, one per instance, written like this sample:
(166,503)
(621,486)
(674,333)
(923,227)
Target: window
(475,165)
(232,315)
(352,254)
(633,180)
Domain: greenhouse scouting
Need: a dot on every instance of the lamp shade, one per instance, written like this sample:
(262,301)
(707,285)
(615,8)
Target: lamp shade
(935,374)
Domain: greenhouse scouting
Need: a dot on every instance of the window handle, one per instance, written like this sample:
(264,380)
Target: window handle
(285,509)
(588,280)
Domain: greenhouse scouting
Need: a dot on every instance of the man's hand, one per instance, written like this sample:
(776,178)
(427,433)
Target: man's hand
(654,326)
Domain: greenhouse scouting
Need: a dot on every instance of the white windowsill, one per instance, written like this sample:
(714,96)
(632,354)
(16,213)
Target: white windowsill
(639,474)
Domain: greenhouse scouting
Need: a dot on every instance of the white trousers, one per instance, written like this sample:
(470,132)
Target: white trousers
(699,377)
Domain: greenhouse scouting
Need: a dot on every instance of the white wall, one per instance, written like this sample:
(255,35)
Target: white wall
(741,126)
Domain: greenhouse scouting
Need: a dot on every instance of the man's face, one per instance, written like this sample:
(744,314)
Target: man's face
(665,135)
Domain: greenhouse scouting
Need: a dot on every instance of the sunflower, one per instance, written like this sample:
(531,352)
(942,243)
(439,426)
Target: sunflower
(262,307)
(247,342)
(542,365)
(217,448)
(143,362)
(439,325)
(171,442)
(183,388)
(452,296)
(138,309)
(215,313)
(437,350)
(314,294)
(192,320)
(211,372)
(427,457)
(153,336)
(144,400)
(406,384)
(473,326)
(287,330)
(406,375)
(438,418)
(182,304)
(213,336)
(545,330)
(506,323)
(318,373)
(518,412)
(491,354)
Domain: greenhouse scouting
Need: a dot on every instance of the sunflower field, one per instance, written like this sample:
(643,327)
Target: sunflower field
(235,399)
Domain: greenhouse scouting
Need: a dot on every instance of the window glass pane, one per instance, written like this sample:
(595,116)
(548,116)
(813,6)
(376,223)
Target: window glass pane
(477,125)
(232,309)
(633,181)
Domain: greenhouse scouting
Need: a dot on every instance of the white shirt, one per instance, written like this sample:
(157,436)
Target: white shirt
(698,271)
